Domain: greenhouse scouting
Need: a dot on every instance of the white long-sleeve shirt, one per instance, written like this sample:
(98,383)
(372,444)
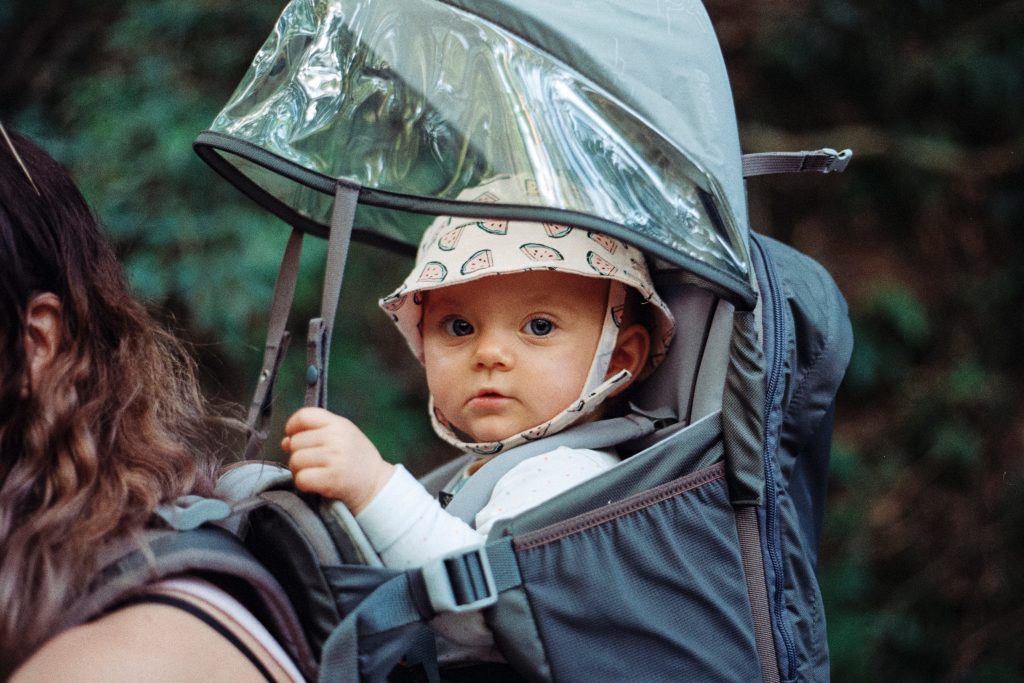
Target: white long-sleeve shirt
(408,527)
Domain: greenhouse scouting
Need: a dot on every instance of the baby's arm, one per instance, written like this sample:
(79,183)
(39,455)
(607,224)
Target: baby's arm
(407,527)
(331,456)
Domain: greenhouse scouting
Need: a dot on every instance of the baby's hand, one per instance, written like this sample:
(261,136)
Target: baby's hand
(329,455)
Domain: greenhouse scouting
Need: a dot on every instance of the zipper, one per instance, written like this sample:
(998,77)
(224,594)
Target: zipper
(771,494)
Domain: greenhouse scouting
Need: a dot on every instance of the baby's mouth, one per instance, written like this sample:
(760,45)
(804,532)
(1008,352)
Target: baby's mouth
(488,398)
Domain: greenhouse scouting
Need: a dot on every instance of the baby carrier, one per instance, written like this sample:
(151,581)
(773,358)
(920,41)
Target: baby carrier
(694,559)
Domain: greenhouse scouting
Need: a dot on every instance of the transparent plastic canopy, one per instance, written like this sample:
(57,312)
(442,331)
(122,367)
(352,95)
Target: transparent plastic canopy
(417,100)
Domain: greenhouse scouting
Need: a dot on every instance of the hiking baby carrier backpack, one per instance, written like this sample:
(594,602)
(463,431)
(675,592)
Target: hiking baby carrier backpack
(694,558)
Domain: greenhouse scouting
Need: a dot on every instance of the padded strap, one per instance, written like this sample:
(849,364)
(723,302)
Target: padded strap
(743,402)
(205,551)
(825,160)
(318,340)
(473,496)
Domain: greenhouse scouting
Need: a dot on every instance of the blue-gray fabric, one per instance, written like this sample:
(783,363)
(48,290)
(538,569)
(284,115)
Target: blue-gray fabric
(669,575)
(814,349)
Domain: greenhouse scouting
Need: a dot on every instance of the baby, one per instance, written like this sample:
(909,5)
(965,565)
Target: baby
(523,329)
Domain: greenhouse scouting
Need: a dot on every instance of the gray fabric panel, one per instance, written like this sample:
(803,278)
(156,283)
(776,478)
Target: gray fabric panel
(671,384)
(685,451)
(753,568)
(613,510)
(667,574)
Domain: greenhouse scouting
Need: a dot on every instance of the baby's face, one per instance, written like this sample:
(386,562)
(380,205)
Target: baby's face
(508,352)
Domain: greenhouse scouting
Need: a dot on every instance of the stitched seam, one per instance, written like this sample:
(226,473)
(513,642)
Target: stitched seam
(628,506)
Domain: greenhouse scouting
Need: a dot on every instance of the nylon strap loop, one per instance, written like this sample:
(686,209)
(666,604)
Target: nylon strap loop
(825,160)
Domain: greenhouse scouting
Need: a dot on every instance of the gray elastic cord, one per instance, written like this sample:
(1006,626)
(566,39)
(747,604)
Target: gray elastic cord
(825,160)
(277,344)
(477,490)
(318,340)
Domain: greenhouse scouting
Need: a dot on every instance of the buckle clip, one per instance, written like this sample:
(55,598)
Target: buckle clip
(461,582)
(836,162)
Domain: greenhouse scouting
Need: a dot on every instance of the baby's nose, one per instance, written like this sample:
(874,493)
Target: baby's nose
(493,350)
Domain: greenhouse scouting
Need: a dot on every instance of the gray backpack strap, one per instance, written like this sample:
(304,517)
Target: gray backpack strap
(318,340)
(277,343)
(472,497)
(825,160)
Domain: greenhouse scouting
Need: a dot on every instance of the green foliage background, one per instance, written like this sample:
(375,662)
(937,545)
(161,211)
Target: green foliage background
(922,559)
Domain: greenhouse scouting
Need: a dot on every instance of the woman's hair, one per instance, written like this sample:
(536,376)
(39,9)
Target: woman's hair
(115,427)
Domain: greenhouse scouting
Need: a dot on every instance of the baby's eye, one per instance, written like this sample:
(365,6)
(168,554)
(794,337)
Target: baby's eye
(539,326)
(458,327)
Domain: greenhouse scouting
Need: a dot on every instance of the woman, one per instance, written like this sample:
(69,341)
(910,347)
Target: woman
(101,420)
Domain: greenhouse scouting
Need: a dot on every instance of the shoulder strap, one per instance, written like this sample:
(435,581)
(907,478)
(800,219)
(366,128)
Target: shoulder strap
(472,497)
(825,160)
(206,551)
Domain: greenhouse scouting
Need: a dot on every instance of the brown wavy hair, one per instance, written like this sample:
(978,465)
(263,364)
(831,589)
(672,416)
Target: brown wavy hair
(115,427)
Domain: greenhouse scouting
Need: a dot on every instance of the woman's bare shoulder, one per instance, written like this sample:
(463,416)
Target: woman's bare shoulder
(148,641)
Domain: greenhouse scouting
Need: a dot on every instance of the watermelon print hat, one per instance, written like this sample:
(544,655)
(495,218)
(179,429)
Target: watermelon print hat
(457,250)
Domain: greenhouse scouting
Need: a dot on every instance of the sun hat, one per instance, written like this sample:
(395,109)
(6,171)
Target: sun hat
(457,250)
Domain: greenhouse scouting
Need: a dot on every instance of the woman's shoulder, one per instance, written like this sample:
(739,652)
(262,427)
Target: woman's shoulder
(146,641)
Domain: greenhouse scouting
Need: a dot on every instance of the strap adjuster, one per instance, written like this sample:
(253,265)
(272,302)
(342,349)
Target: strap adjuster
(462,582)
(832,161)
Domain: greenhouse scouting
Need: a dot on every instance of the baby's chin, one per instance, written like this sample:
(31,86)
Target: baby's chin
(487,434)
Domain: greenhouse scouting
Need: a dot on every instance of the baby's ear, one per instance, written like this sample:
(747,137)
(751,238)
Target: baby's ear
(631,350)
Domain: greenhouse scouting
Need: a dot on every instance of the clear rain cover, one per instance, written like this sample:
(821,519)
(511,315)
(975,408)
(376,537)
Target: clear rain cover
(417,101)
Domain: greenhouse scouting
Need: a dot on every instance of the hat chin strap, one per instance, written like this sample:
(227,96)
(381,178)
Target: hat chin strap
(595,390)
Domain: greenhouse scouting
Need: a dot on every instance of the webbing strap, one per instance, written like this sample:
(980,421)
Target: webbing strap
(825,160)
(753,570)
(318,339)
(277,344)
